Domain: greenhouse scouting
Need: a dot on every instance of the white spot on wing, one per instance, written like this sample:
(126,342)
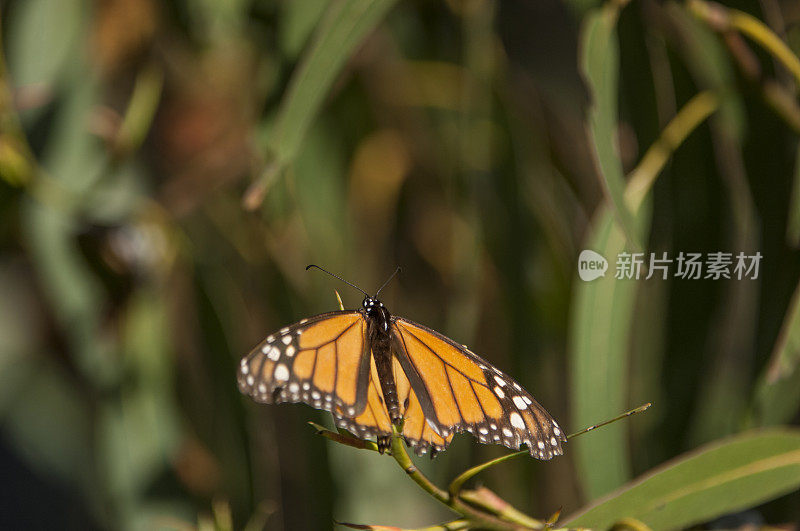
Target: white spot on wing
(281,372)
(290,350)
(286,339)
(507,432)
(556,430)
(516,421)
(499,392)
(499,381)
(553,441)
(519,402)
(245,367)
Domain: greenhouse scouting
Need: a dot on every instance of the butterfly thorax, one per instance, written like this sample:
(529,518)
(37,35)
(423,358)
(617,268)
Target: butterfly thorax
(379,322)
(377,314)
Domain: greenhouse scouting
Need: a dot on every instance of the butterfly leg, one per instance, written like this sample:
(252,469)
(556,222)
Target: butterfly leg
(384,443)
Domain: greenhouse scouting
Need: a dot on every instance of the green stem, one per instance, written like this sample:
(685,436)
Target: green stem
(477,506)
(404,460)
(764,36)
(490,502)
(487,521)
(722,18)
(17,164)
(642,178)
(458,482)
(140,112)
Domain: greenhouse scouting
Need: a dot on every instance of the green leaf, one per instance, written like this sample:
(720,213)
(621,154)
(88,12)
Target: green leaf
(717,479)
(602,312)
(602,309)
(42,38)
(777,397)
(793,224)
(320,191)
(299,20)
(139,434)
(710,65)
(344,27)
(50,426)
(600,63)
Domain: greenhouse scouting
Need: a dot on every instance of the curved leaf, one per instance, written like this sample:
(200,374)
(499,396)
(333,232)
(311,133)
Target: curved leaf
(600,64)
(717,479)
(602,316)
(343,28)
(777,396)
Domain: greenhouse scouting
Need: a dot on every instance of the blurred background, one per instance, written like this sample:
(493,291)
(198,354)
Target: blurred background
(170,167)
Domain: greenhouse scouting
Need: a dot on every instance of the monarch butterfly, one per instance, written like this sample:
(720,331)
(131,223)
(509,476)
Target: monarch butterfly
(372,369)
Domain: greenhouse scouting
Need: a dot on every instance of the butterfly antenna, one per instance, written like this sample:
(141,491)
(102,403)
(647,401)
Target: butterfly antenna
(618,417)
(387,281)
(337,276)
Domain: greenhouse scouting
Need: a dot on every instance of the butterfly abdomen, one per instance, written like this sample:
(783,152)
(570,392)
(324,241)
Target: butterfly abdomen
(380,339)
(383,364)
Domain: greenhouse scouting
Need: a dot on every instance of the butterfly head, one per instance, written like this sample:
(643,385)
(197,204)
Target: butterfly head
(376,312)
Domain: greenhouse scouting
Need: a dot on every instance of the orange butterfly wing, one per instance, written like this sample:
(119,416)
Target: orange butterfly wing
(458,391)
(374,421)
(442,387)
(321,361)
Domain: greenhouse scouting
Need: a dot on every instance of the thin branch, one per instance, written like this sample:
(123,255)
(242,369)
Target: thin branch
(722,18)
(404,460)
(642,178)
(486,520)
(487,500)
(458,482)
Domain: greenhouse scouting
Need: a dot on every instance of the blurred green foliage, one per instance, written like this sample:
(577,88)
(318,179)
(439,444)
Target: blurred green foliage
(168,168)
